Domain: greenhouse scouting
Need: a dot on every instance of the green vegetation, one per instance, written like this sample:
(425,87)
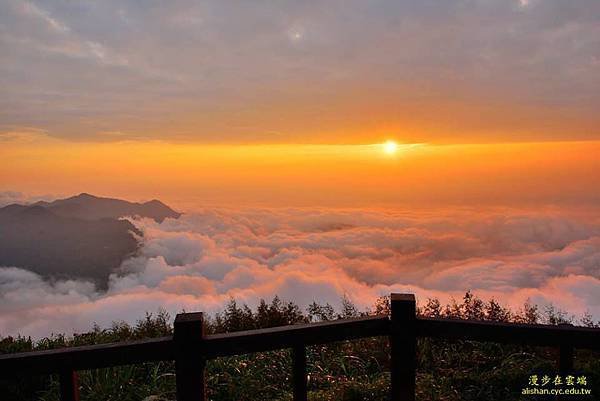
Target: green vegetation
(345,371)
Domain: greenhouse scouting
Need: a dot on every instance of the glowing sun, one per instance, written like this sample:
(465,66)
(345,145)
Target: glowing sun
(390,147)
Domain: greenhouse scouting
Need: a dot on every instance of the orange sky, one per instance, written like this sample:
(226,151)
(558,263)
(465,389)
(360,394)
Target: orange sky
(277,103)
(188,175)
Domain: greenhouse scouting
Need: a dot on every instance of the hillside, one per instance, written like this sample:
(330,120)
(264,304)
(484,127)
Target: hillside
(90,207)
(79,237)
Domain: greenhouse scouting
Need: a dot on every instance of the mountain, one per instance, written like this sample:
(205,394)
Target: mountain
(77,237)
(90,207)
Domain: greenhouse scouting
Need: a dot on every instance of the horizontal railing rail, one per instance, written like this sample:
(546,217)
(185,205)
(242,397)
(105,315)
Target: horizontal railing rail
(510,333)
(88,356)
(243,342)
(189,347)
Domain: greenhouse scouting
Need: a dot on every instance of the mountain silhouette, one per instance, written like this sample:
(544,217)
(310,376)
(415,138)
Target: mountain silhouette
(80,237)
(90,207)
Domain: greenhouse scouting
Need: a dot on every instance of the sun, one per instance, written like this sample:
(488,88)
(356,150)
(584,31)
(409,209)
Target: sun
(390,147)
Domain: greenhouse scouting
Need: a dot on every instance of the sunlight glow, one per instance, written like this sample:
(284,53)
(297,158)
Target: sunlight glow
(390,147)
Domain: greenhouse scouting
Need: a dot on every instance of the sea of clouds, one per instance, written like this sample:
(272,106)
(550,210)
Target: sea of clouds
(203,259)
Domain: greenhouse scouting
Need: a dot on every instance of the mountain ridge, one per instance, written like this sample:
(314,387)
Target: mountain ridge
(91,207)
(80,237)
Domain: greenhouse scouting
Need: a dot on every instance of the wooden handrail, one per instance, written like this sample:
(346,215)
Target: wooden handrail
(244,342)
(190,347)
(510,333)
(88,356)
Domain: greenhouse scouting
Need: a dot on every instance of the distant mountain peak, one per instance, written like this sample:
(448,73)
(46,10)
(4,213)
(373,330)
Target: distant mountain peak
(90,207)
(154,202)
(77,237)
(94,207)
(84,195)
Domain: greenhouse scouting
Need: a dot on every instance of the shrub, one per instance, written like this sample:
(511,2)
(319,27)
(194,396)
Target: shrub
(349,370)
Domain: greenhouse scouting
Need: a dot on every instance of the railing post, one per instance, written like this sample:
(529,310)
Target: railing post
(565,360)
(299,373)
(189,362)
(403,343)
(565,356)
(69,385)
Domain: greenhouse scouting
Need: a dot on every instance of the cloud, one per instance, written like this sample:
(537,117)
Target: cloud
(500,69)
(23,135)
(37,12)
(201,260)
(10,197)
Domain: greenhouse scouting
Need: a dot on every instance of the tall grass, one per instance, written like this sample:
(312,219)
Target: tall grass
(343,371)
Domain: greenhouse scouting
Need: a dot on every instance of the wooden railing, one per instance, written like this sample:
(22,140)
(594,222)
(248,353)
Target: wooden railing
(190,347)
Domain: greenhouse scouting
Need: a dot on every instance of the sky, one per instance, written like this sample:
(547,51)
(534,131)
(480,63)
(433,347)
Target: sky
(287,103)
(467,71)
(189,176)
(319,149)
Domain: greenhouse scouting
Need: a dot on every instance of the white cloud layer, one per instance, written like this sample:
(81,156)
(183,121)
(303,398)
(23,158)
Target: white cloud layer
(202,259)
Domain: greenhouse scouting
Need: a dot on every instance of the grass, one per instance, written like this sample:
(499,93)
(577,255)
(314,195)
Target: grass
(344,371)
